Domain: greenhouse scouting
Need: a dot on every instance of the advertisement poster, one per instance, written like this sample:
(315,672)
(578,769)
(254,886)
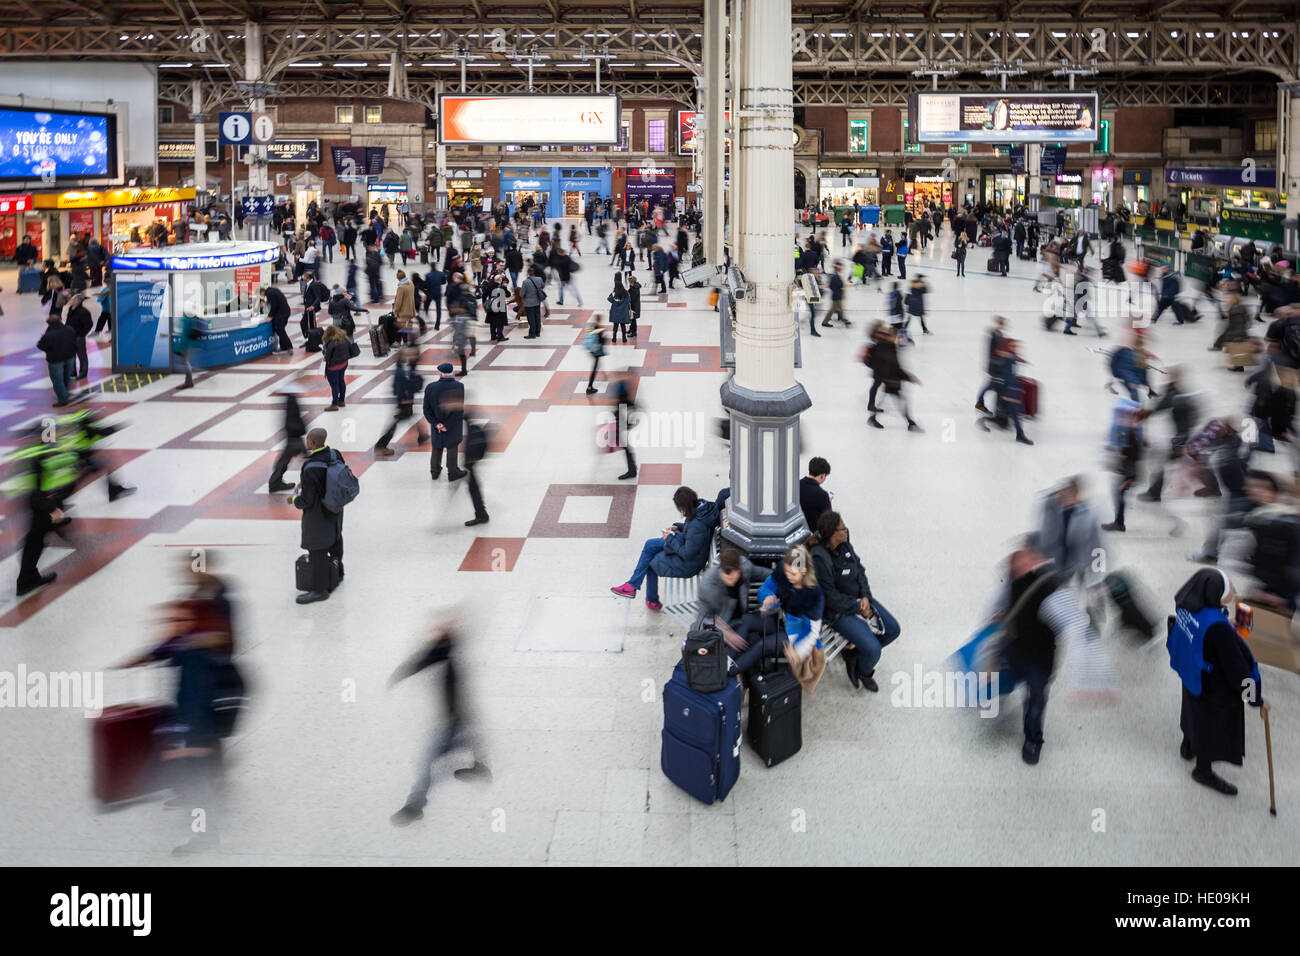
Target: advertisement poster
(248,284)
(182,151)
(686,143)
(1004,117)
(529,120)
(288,151)
(81,221)
(142,336)
(69,145)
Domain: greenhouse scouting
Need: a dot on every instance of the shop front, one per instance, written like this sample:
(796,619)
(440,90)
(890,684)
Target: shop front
(1064,190)
(922,187)
(13,210)
(307,188)
(464,185)
(579,188)
(529,187)
(652,184)
(115,217)
(856,186)
(218,283)
(1003,188)
(384,198)
(1136,188)
(1207,191)
(1103,187)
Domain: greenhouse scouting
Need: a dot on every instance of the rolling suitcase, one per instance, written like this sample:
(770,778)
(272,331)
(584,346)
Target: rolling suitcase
(1121,589)
(775,720)
(378,342)
(126,744)
(302,572)
(701,738)
(992,265)
(313,341)
(29,280)
(1029,396)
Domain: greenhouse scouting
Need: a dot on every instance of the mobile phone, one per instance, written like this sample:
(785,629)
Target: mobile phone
(1245,617)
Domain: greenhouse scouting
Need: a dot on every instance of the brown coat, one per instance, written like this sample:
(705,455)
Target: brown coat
(404,302)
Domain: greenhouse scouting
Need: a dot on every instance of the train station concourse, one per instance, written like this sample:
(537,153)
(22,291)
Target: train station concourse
(709,433)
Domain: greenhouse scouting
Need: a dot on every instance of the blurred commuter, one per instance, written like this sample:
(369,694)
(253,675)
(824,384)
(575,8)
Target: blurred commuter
(322,528)
(456,735)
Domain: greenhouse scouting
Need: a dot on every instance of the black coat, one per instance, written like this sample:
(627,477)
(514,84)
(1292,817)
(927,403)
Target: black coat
(59,343)
(321,528)
(79,321)
(294,426)
(1215,722)
(813,500)
(842,579)
(436,397)
(277,306)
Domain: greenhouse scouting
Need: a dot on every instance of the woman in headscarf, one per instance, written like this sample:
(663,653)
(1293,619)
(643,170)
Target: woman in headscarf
(1218,673)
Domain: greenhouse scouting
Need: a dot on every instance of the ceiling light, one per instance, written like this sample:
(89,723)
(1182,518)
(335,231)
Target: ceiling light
(175,66)
(350,64)
(308,63)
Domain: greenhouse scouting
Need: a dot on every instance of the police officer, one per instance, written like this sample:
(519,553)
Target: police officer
(47,472)
(81,432)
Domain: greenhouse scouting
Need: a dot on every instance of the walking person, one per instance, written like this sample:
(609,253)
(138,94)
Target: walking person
(593,340)
(444,410)
(322,527)
(189,338)
(916,302)
(294,430)
(1010,391)
(407,383)
(454,736)
(335,352)
(1126,446)
(404,306)
(887,367)
(996,331)
(836,287)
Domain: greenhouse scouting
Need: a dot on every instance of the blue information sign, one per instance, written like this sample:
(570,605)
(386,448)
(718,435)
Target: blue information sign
(235,129)
(258,207)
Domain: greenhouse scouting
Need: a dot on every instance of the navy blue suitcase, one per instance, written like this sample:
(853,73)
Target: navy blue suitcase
(29,280)
(701,738)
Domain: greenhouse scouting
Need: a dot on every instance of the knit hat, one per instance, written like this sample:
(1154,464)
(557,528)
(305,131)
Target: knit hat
(446,368)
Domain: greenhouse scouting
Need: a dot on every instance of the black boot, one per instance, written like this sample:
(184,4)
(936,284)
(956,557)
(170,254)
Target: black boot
(1208,778)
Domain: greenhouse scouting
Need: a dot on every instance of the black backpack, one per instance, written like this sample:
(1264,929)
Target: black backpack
(704,659)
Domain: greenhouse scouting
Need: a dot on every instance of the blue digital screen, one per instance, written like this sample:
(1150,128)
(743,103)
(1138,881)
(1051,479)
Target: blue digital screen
(36,144)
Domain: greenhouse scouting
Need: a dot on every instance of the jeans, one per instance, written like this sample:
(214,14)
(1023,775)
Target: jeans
(534,313)
(961,265)
(643,572)
(1035,680)
(454,737)
(858,633)
(61,374)
(83,361)
(1120,493)
(990,385)
(764,637)
(595,367)
(514,283)
(338,384)
(329,252)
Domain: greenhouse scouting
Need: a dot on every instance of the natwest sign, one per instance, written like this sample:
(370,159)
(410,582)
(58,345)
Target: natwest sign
(528,120)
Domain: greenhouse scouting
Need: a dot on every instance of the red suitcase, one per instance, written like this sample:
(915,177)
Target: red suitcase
(1029,395)
(126,747)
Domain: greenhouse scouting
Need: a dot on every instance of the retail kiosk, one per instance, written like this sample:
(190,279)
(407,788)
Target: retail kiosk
(219,284)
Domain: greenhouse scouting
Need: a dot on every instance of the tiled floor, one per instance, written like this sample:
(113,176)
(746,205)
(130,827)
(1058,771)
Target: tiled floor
(564,678)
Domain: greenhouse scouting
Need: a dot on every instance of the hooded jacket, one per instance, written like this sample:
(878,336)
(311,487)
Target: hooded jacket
(686,550)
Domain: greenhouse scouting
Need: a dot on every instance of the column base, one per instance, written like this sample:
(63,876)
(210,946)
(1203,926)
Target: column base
(763,516)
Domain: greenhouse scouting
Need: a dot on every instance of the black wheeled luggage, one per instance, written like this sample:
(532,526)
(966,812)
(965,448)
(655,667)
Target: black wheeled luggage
(775,727)
(302,572)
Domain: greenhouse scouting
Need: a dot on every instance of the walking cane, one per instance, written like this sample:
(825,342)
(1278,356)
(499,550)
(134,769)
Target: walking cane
(1268,747)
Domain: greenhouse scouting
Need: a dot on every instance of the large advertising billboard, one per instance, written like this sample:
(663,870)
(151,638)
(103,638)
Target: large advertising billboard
(1003,117)
(686,142)
(57,146)
(526,120)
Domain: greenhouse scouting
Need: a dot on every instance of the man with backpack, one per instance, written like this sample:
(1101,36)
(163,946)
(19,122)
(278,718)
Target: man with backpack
(325,486)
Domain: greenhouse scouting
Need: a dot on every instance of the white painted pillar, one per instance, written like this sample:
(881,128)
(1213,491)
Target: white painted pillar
(763,397)
(711,157)
(765,327)
(200,137)
(1289,178)
(258,182)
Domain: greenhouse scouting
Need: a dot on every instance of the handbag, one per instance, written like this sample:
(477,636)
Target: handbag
(354,350)
(809,670)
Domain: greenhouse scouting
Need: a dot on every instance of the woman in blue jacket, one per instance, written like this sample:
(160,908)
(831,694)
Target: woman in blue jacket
(792,586)
(681,551)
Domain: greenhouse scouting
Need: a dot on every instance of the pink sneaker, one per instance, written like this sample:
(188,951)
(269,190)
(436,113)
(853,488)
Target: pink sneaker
(625,590)
(654,605)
